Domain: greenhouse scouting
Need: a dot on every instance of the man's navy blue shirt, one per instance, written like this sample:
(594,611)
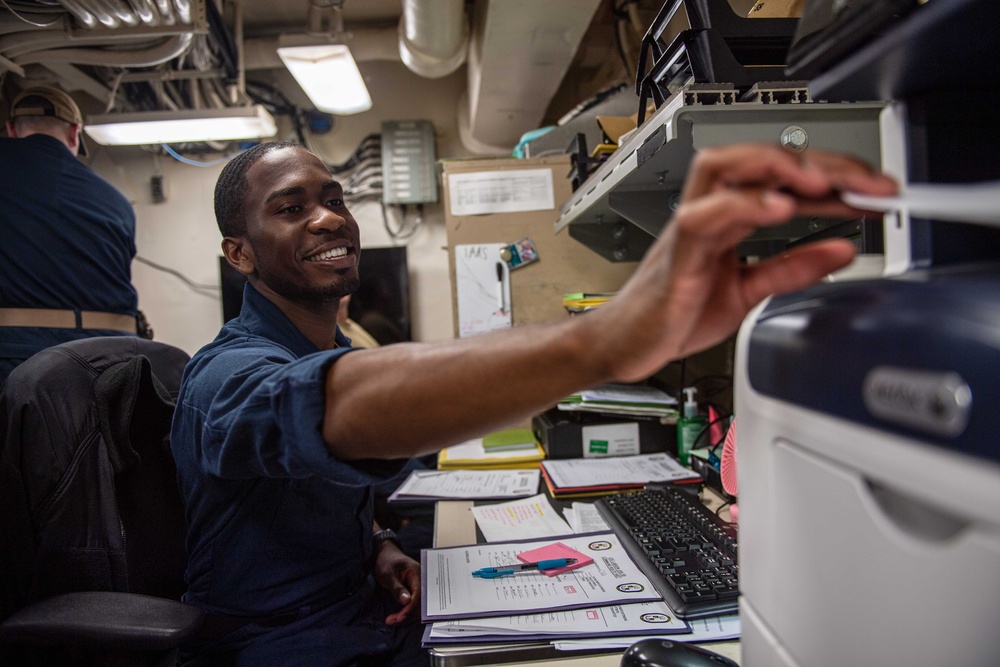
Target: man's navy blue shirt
(275,522)
(68,243)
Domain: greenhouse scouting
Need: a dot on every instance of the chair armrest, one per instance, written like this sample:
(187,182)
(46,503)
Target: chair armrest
(124,620)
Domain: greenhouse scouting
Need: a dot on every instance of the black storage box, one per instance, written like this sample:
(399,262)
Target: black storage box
(568,434)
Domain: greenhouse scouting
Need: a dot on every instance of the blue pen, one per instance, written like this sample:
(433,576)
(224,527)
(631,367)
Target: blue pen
(501,570)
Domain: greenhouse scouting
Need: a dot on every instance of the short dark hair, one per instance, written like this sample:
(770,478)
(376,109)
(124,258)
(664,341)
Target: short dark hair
(231,188)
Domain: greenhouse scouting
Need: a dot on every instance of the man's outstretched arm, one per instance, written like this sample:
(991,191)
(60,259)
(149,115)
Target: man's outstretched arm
(689,292)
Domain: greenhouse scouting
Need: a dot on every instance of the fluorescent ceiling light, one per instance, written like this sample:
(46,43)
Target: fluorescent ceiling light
(329,76)
(177,127)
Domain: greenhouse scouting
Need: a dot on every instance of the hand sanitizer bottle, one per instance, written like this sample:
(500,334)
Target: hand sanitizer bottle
(689,426)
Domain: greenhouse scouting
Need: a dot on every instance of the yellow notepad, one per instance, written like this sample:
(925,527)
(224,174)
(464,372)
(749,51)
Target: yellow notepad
(472,455)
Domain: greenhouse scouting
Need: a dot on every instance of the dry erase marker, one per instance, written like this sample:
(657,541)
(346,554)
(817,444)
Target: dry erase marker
(500,303)
(501,570)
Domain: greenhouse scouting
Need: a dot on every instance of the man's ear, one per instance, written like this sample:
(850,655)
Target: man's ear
(11,129)
(239,254)
(73,138)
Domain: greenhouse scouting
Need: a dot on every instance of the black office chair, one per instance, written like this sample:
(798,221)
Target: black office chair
(91,523)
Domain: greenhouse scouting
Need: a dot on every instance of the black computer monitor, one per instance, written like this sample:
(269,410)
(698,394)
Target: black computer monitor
(381,305)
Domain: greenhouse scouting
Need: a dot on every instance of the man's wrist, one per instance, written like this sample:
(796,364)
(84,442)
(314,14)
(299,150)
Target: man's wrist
(386,535)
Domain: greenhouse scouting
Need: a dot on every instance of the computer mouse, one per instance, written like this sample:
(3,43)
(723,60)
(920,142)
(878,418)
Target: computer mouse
(665,653)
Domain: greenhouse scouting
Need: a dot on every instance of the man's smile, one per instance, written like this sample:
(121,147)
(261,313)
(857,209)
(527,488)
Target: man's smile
(332,253)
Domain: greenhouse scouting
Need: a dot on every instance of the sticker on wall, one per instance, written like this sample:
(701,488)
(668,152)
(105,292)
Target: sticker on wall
(519,253)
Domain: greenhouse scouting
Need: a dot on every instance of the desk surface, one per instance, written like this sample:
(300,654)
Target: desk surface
(454,525)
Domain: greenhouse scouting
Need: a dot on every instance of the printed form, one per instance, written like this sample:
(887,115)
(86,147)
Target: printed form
(450,590)
(467,484)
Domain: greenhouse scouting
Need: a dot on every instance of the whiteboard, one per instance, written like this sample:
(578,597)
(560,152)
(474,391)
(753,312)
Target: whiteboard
(482,288)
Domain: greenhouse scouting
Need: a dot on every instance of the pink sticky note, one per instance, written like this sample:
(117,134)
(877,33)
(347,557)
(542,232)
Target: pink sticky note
(555,550)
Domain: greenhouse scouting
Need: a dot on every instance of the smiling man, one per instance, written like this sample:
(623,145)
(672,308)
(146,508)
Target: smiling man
(282,428)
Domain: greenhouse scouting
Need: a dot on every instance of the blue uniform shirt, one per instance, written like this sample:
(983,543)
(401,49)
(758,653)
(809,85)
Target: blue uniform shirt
(67,239)
(275,523)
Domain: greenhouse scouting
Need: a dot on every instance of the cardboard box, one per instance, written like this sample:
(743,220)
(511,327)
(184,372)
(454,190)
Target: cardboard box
(564,265)
(571,435)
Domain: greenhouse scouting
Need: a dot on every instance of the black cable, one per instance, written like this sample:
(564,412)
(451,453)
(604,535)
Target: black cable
(174,272)
(356,157)
(361,154)
(704,430)
(618,10)
(718,510)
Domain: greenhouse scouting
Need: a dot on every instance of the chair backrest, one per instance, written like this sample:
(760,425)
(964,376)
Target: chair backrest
(88,492)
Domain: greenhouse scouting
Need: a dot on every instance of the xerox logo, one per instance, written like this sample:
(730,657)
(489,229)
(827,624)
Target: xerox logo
(935,402)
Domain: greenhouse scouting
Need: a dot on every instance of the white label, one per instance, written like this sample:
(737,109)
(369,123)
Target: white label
(501,192)
(610,440)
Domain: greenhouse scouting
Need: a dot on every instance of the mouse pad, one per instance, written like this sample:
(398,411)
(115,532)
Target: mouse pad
(555,550)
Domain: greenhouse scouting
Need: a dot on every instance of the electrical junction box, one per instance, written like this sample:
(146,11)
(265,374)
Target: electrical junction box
(408,162)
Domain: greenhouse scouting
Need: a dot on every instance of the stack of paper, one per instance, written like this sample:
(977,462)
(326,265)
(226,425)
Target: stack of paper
(613,621)
(567,478)
(623,399)
(472,455)
(607,596)
(606,602)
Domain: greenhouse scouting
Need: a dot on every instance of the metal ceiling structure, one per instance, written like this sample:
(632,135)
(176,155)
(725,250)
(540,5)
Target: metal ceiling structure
(187,54)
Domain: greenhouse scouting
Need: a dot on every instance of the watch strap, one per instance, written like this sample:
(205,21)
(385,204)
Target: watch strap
(386,535)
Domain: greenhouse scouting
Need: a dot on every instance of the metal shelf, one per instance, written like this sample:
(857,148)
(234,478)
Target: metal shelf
(624,205)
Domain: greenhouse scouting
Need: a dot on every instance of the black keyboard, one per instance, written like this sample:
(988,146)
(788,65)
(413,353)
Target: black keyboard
(682,546)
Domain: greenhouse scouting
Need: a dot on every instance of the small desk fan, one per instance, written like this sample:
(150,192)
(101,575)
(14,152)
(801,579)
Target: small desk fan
(727,468)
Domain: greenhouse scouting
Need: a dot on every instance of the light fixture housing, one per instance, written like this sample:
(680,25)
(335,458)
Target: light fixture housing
(329,76)
(183,126)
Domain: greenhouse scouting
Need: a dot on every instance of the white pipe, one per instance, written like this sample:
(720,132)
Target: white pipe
(241,85)
(365,44)
(475,146)
(433,36)
(167,50)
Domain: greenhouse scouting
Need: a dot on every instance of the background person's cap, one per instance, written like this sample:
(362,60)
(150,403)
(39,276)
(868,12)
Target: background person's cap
(47,101)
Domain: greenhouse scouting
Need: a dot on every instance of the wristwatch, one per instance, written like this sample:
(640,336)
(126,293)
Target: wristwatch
(386,535)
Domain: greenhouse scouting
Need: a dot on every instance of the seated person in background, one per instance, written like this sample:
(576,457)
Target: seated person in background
(281,429)
(68,235)
(359,337)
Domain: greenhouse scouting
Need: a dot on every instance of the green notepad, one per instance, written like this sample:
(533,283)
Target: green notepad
(512,438)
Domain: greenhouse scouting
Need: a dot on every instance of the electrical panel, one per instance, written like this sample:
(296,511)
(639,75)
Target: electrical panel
(408,162)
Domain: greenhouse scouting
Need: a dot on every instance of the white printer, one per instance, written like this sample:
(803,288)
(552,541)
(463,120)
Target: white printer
(868,450)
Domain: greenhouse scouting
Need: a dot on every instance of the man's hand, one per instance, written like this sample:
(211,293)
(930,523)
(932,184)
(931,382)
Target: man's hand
(400,575)
(691,291)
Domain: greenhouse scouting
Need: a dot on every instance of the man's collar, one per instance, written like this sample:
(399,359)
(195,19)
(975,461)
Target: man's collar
(266,319)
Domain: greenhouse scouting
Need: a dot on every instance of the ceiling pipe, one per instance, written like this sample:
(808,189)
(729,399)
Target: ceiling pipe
(157,55)
(366,44)
(433,36)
